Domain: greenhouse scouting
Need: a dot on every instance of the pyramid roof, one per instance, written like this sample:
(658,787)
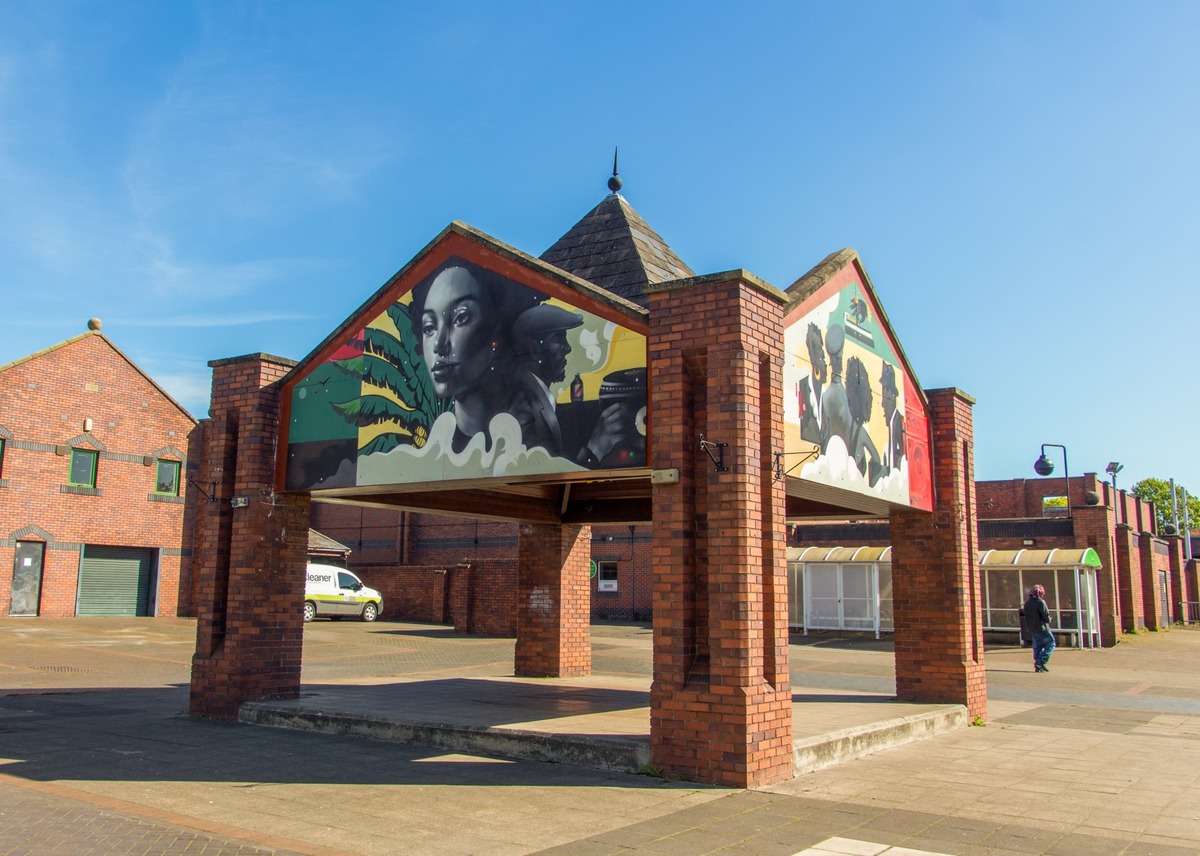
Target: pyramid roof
(614,248)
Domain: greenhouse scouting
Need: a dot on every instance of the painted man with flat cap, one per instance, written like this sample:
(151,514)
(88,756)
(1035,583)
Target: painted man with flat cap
(540,336)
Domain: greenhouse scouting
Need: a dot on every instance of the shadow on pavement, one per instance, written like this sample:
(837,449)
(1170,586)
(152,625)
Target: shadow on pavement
(145,736)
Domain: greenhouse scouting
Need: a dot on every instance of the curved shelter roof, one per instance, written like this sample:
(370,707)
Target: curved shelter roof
(842,554)
(1014,559)
(1022,559)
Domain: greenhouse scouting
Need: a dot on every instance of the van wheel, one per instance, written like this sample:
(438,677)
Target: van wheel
(310,610)
(370,612)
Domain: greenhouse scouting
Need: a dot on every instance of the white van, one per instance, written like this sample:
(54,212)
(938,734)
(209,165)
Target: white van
(333,592)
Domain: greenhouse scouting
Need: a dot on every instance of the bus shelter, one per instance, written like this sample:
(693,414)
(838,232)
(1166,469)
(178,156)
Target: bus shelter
(840,588)
(1072,594)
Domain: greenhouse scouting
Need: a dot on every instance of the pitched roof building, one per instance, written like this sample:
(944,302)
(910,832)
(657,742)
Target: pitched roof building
(93,459)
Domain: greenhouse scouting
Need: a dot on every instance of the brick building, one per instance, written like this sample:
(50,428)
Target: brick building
(93,457)
(1136,577)
(1013,517)
(419,560)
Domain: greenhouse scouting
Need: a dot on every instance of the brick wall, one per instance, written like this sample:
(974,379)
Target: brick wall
(1155,560)
(630,548)
(383,540)
(483,597)
(1022,498)
(44,402)
(412,593)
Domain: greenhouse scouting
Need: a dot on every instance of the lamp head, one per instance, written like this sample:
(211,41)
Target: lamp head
(1043,466)
(1113,468)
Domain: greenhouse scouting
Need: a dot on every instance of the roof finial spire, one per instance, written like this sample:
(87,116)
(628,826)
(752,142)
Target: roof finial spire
(614,183)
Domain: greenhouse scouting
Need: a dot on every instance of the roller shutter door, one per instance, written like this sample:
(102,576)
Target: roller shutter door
(116,581)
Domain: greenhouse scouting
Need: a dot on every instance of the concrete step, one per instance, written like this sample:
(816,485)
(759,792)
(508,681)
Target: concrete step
(846,744)
(616,753)
(600,752)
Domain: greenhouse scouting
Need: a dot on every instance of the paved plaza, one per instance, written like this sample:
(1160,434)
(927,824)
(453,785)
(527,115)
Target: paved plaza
(97,754)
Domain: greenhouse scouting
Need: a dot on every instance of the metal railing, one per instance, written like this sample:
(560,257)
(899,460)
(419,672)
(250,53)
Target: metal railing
(1189,611)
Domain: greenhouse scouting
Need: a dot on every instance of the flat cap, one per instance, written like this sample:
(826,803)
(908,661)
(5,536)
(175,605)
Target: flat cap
(544,318)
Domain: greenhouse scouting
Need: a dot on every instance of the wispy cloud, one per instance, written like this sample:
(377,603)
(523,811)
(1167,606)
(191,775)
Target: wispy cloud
(223,320)
(161,196)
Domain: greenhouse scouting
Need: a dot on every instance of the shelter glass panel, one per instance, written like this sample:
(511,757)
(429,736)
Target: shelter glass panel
(795,594)
(886,613)
(857,604)
(823,607)
(1003,598)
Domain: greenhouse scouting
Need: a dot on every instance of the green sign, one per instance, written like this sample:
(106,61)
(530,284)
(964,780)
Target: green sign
(592,574)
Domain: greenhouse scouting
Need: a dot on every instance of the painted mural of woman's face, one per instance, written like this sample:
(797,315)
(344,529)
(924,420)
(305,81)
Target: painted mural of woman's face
(456,332)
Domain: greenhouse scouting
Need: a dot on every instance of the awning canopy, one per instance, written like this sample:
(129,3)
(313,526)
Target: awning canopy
(1073,558)
(839,554)
(997,559)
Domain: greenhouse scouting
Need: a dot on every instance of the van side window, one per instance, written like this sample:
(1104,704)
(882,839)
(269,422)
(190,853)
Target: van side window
(347,581)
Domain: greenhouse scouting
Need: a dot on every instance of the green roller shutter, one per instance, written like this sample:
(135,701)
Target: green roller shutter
(116,581)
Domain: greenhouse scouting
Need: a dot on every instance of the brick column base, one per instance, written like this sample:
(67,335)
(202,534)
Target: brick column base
(737,737)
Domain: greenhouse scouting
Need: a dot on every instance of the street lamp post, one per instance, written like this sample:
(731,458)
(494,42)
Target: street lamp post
(1112,469)
(1044,467)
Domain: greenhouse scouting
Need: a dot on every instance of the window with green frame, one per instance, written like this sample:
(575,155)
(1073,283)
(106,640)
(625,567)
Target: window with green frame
(167,479)
(83,467)
(1,457)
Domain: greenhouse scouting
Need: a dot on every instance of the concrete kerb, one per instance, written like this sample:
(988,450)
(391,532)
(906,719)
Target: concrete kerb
(836,747)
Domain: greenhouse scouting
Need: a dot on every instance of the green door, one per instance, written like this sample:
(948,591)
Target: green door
(116,581)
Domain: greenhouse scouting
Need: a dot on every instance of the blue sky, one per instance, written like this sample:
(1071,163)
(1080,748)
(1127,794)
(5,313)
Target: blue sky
(1020,178)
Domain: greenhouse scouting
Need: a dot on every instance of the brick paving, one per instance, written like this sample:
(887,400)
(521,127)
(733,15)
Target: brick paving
(40,824)
(97,756)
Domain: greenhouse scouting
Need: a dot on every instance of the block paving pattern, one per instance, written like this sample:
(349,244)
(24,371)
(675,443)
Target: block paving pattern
(84,769)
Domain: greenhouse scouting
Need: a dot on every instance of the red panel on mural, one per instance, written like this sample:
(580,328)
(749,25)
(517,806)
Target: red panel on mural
(916,447)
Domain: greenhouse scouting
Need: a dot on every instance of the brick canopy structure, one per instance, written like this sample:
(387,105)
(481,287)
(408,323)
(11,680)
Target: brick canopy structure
(680,401)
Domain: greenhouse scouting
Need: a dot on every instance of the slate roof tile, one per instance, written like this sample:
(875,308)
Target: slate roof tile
(614,248)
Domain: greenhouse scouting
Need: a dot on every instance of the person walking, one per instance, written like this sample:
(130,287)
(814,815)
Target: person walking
(1036,616)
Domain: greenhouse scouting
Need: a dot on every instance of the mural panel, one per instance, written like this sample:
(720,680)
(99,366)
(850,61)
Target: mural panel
(848,401)
(470,375)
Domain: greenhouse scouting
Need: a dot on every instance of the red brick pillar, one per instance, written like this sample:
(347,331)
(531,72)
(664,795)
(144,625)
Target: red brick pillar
(1129,573)
(554,596)
(1175,569)
(250,559)
(721,701)
(935,575)
(1094,528)
(1151,590)
(1191,584)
